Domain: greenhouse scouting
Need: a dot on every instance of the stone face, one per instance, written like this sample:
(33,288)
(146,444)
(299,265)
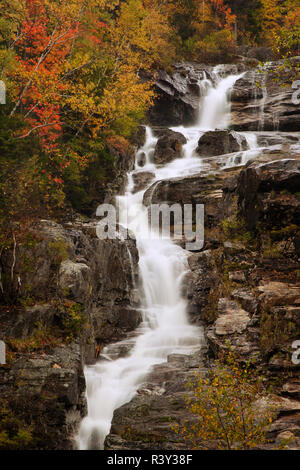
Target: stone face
(258,100)
(220,143)
(260,189)
(196,189)
(202,279)
(292,389)
(232,319)
(278,293)
(260,103)
(236,322)
(168,147)
(139,137)
(75,280)
(178,97)
(49,391)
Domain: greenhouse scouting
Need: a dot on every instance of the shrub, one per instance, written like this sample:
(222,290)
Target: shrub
(223,405)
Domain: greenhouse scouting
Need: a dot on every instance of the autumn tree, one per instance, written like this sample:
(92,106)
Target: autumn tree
(203,29)
(223,405)
(248,26)
(74,74)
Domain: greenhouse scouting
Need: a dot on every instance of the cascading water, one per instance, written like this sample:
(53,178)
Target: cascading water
(165,329)
(261,124)
(215,112)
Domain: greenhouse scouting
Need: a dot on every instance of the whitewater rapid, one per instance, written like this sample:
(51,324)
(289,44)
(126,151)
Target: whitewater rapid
(163,265)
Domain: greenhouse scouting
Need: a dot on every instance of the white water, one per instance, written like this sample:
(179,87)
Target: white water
(112,382)
(215,112)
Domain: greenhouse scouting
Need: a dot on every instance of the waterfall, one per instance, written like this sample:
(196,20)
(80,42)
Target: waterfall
(165,329)
(261,123)
(215,110)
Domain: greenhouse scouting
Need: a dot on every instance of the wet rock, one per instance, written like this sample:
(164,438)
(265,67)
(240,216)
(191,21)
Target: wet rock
(196,189)
(259,102)
(168,147)
(142,180)
(178,91)
(178,96)
(141,159)
(220,143)
(139,137)
(146,422)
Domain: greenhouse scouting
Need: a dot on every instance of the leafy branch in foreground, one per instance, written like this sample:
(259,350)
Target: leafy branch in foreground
(223,403)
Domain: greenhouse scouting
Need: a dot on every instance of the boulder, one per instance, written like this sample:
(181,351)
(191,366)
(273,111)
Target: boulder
(138,138)
(168,147)
(238,277)
(141,159)
(219,142)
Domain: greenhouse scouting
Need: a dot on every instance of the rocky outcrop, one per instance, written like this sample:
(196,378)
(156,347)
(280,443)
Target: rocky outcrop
(44,395)
(75,293)
(269,193)
(215,143)
(178,96)
(201,280)
(259,102)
